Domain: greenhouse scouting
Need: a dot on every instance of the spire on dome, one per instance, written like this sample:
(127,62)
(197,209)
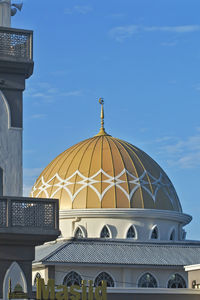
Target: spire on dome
(102,129)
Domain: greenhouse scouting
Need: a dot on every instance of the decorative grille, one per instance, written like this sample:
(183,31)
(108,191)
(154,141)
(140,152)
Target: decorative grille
(147,281)
(131,233)
(72,278)
(106,277)
(3,213)
(16,43)
(105,232)
(33,214)
(176,281)
(29,213)
(78,233)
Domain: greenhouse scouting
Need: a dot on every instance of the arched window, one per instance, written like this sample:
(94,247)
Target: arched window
(172,235)
(154,234)
(176,281)
(147,281)
(14,275)
(72,278)
(38,275)
(131,233)
(104,276)
(78,233)
(105,232)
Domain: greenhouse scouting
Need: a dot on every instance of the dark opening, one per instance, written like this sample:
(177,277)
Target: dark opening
(1,181)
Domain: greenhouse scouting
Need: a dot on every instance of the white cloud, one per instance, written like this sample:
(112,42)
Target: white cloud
(187,161)
(71,93)
(197,87)
(169,44)
(68,11)
(164,139)
(47,92)
(38,116)
(39,95)
(81,9)
(176,29)
(31,172)
(182,153)
(52,91)
(122,33)
(45,85)
(190,144)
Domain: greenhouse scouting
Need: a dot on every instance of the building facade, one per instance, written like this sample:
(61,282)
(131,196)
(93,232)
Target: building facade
(24,222)
(120,218)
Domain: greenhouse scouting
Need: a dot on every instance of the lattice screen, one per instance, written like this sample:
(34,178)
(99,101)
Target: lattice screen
(3,212)
(15,44)
(33,214)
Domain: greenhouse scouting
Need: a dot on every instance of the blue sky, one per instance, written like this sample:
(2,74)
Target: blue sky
(143,57)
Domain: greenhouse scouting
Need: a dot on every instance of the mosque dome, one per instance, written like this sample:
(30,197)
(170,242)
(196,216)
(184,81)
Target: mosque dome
(106,172)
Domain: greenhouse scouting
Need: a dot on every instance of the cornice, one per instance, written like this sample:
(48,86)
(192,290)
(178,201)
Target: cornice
(192,267)
(126,213)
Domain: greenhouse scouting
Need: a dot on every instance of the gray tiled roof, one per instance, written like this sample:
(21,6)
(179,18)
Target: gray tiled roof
(118,252)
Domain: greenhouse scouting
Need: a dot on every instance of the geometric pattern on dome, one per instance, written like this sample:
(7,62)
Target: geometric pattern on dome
(84,182)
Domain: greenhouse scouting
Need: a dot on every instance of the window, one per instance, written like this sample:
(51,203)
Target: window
(105,232)
(1,182)
(72,278)
(147,281)
(131,233)
(176,281)
(38,275)
(78,233)
(104,276)
(183,234)
(172,235)
(154,234)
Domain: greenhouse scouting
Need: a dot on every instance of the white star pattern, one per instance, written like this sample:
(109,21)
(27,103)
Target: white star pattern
(138,182)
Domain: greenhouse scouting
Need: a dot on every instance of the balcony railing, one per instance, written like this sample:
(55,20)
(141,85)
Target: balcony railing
(21,212)
(16,43)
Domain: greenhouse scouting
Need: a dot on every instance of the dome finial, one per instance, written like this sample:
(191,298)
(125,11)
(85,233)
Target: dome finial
(101,101)
(102,130)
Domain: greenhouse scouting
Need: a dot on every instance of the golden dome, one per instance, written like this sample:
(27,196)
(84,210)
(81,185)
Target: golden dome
(105,172)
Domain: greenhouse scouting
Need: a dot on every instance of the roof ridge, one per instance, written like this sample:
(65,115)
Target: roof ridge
(135,243)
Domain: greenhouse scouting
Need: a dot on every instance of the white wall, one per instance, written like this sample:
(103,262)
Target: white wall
(119,222)
(122,276)
(42,273)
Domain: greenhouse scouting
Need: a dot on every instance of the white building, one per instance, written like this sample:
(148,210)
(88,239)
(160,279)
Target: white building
(120,218)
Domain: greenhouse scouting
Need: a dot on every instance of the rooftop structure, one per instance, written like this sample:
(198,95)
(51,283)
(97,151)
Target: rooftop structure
(120,218)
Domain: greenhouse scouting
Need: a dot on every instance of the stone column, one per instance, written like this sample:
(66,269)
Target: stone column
(5,13)
(16,65)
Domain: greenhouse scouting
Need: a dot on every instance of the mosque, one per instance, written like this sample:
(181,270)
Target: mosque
(120,218)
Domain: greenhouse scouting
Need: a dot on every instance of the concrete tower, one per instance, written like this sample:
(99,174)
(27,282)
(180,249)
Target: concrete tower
(16,65)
